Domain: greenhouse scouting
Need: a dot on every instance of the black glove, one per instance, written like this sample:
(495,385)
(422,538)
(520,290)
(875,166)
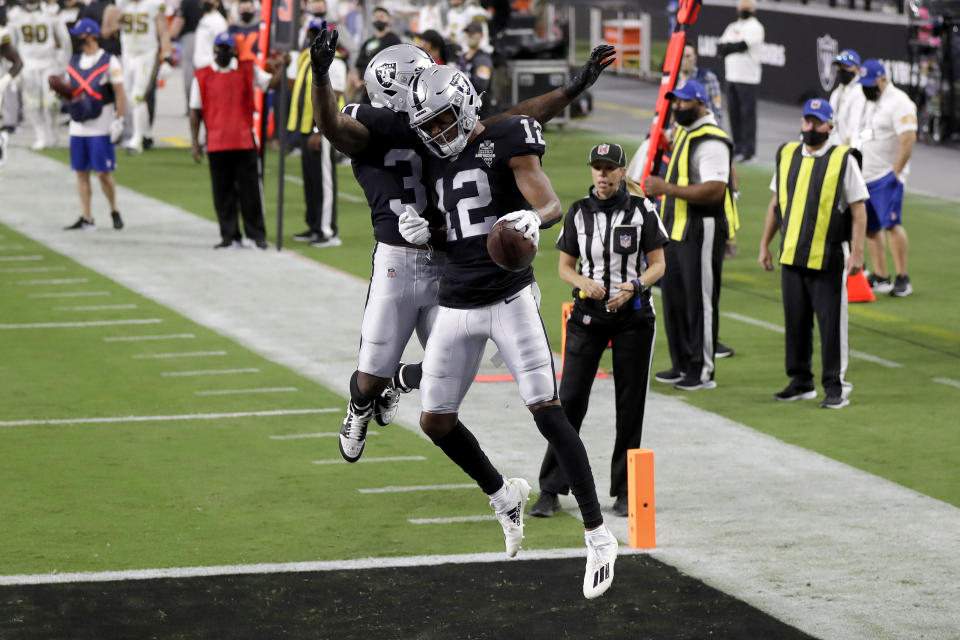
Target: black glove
(322,52)
(600,58)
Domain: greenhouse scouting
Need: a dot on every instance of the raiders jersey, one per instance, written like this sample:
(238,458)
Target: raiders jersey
(37,32)
(473,191)
(390,171)
(138,25)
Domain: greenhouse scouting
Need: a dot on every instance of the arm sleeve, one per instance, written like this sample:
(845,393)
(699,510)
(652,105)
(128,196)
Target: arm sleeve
(854,188)
(115,71)
(904,115)
(195,95)
(567,242)
(261,78)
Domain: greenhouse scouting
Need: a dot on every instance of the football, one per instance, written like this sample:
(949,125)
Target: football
(508,248)
(61,86)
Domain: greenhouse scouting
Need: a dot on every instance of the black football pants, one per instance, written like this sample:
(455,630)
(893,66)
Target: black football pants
(236,181)
(319,187)
(632,333)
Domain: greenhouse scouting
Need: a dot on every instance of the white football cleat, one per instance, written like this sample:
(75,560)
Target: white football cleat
(601,554)
(385,405)
(511,519)
(353,433)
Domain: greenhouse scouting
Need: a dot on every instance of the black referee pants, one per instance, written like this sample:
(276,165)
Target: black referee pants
(807,292)
(632,333)
(691,297)
(319,187)
(236,182)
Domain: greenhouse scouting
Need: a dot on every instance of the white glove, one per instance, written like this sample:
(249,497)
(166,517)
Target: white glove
(413,228)
(116,130)
(528,222)
(163,72)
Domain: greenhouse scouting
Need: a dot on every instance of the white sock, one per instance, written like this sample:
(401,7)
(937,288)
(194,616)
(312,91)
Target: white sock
(600,534)
(499,498)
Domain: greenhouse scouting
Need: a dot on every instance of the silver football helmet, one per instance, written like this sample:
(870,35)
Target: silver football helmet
(437,91)
(391,71)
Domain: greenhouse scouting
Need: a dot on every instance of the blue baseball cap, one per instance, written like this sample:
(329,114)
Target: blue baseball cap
(692,90)
(819,109)
(86,25)
(224,38)
(848,57)
(870,71)
(317,24)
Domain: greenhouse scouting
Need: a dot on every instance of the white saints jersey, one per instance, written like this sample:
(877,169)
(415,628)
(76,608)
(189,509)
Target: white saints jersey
(138,25)
(36,32)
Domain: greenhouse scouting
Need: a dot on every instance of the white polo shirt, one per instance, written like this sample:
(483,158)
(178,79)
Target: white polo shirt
(744,67)
(848,103)
(893,113)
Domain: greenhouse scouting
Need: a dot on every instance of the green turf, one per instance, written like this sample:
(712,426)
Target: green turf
(900,425)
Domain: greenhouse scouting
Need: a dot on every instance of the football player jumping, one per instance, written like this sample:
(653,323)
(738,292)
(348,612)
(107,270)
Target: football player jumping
(388,164)
(485,174)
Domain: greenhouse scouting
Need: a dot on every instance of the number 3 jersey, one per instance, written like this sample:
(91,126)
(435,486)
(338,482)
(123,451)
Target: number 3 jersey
(473,191)
(390,171)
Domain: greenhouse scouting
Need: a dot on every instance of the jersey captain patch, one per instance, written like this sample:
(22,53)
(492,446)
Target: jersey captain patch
(486,152)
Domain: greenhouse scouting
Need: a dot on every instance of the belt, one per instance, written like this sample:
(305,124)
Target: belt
(600,306)
(409,245)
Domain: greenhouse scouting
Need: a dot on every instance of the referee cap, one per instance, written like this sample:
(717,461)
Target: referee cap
(608,152)
(848,57)
(870,71)
(819,109)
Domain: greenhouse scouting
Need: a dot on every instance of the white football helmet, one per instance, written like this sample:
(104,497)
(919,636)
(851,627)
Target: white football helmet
(439,90)
(391,71)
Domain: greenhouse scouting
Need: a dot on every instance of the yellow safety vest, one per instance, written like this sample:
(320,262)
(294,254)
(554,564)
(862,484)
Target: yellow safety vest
(301,104)
(676,211)
(808,196)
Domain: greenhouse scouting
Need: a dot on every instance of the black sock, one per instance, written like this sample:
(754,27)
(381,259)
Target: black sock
(462,447)
(408,377)
(358,399)
(573,460)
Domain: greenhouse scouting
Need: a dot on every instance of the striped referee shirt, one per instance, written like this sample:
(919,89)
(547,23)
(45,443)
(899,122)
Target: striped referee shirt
(612,236)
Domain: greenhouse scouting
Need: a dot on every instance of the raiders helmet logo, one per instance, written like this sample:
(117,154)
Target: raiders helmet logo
(603,149)
(386,74)
(826,53)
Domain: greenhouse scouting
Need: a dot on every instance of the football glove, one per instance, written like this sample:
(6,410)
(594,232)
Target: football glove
(601,57)
(413,228)
(116,130)
(163,72)
(322,52)
(527,222)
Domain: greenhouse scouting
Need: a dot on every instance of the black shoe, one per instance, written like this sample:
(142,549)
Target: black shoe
(723,351)
(82,224)
(325,241)
(791,393)
(545,505)
(261,245)
(306,236)
(692,384)
(901,286)
(834,401)
(668,376)
(878,284)
(147,143)
(620,507)
(117,220)
(228,244)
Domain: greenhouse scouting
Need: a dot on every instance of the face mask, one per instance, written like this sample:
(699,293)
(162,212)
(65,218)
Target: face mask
(813,138)
(380,25)
(871,93)
(845,75)
(685,117)
(223,57)
(247,16)
(745,14)
(207,7)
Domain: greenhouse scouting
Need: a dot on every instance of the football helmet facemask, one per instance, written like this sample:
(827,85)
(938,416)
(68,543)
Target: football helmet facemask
(437,91)
(391,71)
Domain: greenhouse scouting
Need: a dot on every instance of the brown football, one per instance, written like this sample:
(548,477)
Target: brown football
(61,86)
(508,248)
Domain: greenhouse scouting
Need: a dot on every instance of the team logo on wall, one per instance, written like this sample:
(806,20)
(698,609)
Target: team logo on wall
(386,73)
(826,52)
(486,152)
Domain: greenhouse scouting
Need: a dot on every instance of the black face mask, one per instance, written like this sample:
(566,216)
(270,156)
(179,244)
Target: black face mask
(845,75)
(871,93)
(207,7)
(247,16)
(813,138)
(745,14)
(223,56)
(685,117)
(380,25)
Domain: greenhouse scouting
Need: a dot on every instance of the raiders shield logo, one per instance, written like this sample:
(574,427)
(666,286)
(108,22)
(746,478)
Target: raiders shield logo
(826,52)
(386,73)
(486,152)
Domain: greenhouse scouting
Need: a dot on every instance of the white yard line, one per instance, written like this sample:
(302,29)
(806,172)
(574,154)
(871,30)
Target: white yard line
(54,281)
(20,258)
(11,247)
(69,325)
(69,294)
(451,520)
(371,459)
(172,336)
(325,434)
(421,487)
(101,307)
(209,372)
(30,269)
(185,354)
(231,392)
(948,381)
(187,416)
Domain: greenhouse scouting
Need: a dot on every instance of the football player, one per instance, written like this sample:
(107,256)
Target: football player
(143,31)
(388,164)
(10,66)
(487,174)
(38,33)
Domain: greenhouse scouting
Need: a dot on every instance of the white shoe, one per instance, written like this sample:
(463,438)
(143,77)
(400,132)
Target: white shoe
(3,147)
(385,405)
(601,554)
(40,145)
(134,147)
(511,519)
(353,433)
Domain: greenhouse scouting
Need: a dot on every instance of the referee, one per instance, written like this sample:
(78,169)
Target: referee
(818,205)
(618,239)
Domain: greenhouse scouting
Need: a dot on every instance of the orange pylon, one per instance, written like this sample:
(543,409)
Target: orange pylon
(643,531)
(858,289)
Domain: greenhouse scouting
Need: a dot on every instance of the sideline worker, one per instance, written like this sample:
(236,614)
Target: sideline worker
(818,205)
(612,233)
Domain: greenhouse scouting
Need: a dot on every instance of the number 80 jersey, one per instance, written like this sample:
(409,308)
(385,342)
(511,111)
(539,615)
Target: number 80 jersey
(473,191)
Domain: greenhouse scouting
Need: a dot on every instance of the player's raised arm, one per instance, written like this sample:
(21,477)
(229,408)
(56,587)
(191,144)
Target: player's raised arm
(536,188)
(348,135)
(547,106)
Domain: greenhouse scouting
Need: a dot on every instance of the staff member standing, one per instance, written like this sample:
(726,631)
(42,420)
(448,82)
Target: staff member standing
(740,45)
(818,207)
(847,99)
(222,98)
(612,234)
(696,206)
